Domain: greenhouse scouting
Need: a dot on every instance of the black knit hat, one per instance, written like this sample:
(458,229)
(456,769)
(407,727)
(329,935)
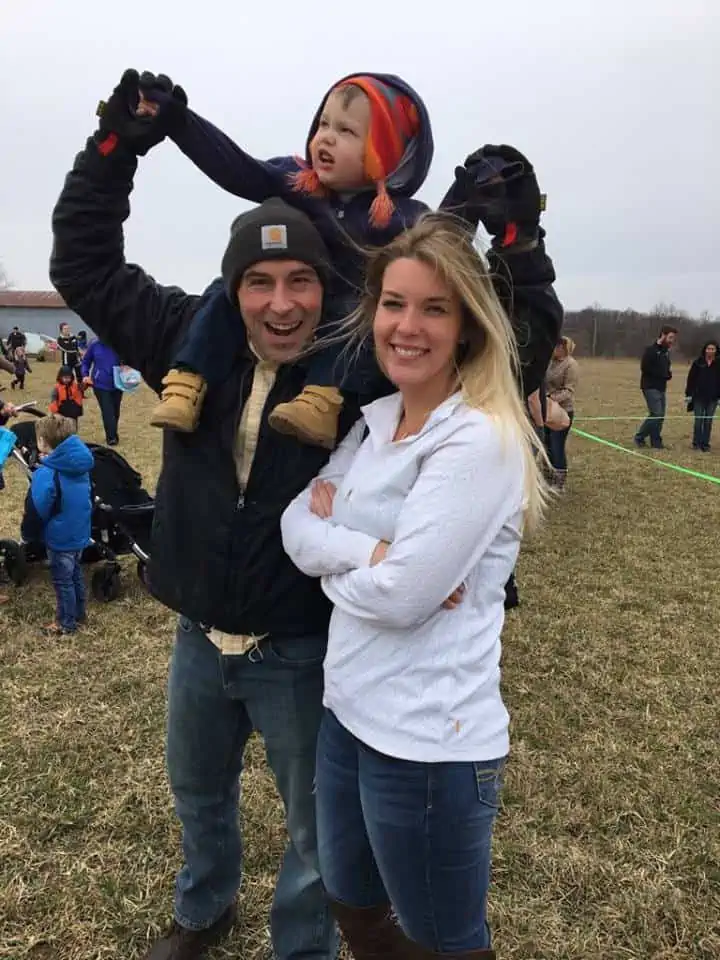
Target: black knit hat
(272,231)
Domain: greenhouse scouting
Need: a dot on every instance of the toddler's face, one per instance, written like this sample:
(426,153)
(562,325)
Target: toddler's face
(337,150)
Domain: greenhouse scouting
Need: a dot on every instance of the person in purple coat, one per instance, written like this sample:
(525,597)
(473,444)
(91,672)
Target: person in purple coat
(98,371)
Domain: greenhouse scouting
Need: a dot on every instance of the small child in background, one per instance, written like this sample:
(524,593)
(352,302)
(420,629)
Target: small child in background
(59,502)
(22,367)
(67,396)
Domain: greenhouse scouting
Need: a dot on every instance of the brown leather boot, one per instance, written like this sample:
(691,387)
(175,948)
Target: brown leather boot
(182,944)
(311,417)
(413,951)
(370,932)
(181,403)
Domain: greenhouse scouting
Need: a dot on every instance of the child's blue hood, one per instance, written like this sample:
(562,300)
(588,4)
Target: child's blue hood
(413,169)
(71,457)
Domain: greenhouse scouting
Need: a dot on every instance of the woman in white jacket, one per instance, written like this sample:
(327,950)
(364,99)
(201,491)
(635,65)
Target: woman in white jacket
(414,526)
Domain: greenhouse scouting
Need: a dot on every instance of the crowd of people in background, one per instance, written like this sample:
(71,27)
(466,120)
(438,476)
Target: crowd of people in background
(83,367)
(702,390)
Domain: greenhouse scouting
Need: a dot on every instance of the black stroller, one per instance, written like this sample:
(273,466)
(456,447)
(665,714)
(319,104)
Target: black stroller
(121,518)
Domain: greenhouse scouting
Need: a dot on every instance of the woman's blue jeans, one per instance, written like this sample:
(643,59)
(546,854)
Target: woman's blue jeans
(415,834)
(704,411)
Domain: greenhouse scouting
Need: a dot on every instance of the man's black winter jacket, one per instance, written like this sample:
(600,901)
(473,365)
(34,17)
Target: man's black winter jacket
(655,368)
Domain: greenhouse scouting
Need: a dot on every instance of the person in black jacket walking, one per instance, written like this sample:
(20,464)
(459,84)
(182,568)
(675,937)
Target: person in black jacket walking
(16,339)
(69,350)
(702,391)
(252,629)
(655,370)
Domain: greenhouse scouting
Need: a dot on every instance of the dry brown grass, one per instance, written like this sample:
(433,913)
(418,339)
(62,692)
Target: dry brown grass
(609,841)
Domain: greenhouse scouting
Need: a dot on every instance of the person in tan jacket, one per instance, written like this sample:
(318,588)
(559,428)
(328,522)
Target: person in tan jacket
(561,381)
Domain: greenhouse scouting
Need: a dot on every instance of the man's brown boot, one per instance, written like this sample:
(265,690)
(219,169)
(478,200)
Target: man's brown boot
(311,417)
(181,403)
(182,944)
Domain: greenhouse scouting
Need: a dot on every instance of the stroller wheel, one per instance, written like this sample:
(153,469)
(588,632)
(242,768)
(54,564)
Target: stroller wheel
(13,560)
(105,583)
(142,572)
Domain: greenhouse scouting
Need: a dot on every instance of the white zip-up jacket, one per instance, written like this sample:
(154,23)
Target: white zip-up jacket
(404,675)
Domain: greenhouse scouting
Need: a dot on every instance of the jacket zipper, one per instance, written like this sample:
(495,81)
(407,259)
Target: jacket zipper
(240,499)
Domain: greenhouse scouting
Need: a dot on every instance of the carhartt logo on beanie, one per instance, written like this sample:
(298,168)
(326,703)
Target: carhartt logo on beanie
(394,122)
(272,231)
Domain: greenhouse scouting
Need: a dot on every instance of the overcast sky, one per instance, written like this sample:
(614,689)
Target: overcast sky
(616,102)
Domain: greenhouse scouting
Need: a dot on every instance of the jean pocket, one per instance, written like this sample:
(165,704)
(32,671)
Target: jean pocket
(489,778)
(297,652)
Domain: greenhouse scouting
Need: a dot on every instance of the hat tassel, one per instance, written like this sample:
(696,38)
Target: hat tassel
(382,208)
(306,180)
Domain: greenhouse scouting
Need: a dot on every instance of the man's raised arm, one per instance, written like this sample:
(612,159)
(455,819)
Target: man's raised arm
(142,320)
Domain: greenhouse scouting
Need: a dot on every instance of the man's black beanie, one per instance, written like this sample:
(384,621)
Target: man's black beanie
(272,231)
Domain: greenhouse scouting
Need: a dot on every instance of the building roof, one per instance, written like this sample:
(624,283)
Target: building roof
(46,299)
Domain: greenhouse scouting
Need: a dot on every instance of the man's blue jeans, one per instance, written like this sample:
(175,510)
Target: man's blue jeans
(704,411)
(415,834)
(652,426)
(214,704)
(67,579)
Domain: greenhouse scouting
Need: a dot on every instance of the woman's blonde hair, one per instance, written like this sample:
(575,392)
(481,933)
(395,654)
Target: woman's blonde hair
(569,344)
(488,365)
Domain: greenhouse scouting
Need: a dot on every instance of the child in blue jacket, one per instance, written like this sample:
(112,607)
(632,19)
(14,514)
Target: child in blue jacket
(60,503)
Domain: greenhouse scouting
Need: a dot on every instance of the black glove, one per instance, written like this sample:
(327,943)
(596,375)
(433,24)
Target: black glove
(120,123)
(500,188)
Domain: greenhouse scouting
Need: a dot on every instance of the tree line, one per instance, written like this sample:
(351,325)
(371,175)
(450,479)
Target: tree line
(625,333)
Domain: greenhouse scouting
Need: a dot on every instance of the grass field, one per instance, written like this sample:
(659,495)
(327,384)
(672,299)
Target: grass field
(608,845)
